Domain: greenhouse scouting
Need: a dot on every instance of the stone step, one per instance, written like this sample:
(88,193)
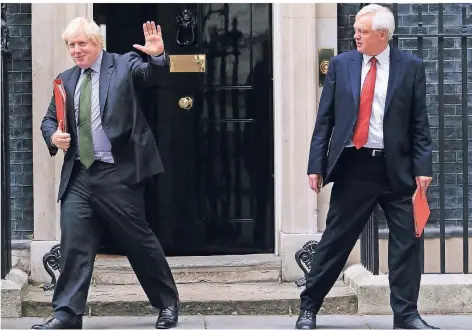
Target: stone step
(197,298)
(113,270)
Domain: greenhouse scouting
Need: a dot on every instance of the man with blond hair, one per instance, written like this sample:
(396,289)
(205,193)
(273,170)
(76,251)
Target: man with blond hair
(110,152)
(371,139)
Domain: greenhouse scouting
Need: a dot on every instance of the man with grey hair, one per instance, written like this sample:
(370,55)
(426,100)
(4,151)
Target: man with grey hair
(372,140)
(110,152)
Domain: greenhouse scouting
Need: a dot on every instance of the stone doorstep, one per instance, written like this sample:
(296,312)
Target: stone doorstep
(199,298)
(113,270)
(13,286)
(439,293)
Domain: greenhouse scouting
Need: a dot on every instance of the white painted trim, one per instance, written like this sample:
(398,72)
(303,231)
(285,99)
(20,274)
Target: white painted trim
(277,122)
(103,31)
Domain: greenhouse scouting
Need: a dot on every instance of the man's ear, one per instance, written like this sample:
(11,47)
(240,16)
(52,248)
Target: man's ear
(383,34)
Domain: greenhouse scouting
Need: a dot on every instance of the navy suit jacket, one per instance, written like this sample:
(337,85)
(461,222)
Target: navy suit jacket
(407,139)
(133,145)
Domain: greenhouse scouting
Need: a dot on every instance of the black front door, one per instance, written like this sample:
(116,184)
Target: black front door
(213,127)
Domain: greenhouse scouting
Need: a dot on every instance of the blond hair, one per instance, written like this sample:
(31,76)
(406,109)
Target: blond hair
(89,28)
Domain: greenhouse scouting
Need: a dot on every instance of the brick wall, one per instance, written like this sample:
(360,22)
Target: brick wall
(18,19)
(407,22)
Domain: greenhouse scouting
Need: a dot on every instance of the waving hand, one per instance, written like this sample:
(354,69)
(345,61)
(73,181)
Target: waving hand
(153,36)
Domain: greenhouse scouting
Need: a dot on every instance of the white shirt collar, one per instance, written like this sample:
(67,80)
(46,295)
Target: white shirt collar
(382,58)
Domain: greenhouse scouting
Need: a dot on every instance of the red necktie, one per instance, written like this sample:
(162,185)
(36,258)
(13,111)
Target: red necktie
(361,131)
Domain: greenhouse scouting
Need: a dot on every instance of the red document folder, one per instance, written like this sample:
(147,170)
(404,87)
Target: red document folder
(61,104)
(421,210)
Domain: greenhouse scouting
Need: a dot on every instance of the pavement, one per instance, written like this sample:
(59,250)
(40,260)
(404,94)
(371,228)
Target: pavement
(249,322)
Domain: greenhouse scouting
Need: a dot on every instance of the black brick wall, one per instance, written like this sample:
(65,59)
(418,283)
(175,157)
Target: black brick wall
(407,22)
(19,24)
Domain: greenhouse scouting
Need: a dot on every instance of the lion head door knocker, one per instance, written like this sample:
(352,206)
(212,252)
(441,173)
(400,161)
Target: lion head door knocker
(186,24)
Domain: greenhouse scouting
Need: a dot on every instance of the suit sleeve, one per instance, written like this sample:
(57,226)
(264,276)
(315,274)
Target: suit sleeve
(422,144)
(49,126)
(147,73)
(324,124)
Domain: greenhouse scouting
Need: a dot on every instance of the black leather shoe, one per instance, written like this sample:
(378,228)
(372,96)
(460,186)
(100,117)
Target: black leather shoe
(306,320)
(416,323)
(58,324)
(168,317)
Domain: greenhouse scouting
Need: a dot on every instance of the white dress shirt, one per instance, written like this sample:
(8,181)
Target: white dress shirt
(375,138)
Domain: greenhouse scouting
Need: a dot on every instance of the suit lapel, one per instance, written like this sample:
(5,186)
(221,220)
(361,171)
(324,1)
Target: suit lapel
(70,86)
(355,67)
(106,71)
(396,66)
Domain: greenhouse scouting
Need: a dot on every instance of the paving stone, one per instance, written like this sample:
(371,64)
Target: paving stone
(250,322)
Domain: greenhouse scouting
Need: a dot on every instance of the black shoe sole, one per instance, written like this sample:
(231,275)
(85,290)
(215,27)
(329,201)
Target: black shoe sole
(172,326)
(162,327)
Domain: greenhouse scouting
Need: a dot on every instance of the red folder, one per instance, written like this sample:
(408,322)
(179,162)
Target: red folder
(61,104)
(421,210)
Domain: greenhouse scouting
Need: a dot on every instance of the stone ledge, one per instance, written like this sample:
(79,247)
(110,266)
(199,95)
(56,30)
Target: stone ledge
(198,298)
(12,289)
(439,293)
(21,244)
(112,270)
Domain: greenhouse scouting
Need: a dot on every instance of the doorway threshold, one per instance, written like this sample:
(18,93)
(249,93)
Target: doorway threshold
(116,270)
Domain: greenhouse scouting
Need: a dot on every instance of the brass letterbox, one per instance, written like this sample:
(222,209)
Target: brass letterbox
(188,63)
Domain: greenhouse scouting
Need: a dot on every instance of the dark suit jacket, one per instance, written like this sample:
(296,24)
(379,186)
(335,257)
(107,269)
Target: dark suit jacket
(133,145)
(407,140)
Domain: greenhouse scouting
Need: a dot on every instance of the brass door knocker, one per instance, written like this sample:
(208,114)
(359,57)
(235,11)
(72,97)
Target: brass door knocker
(186,20)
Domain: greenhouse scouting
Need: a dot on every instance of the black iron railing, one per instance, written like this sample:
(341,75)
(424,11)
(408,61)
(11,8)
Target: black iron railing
(439,226)
(5,152)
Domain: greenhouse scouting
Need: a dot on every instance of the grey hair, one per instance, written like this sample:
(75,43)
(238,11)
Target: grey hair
(382,18)
(89,28)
